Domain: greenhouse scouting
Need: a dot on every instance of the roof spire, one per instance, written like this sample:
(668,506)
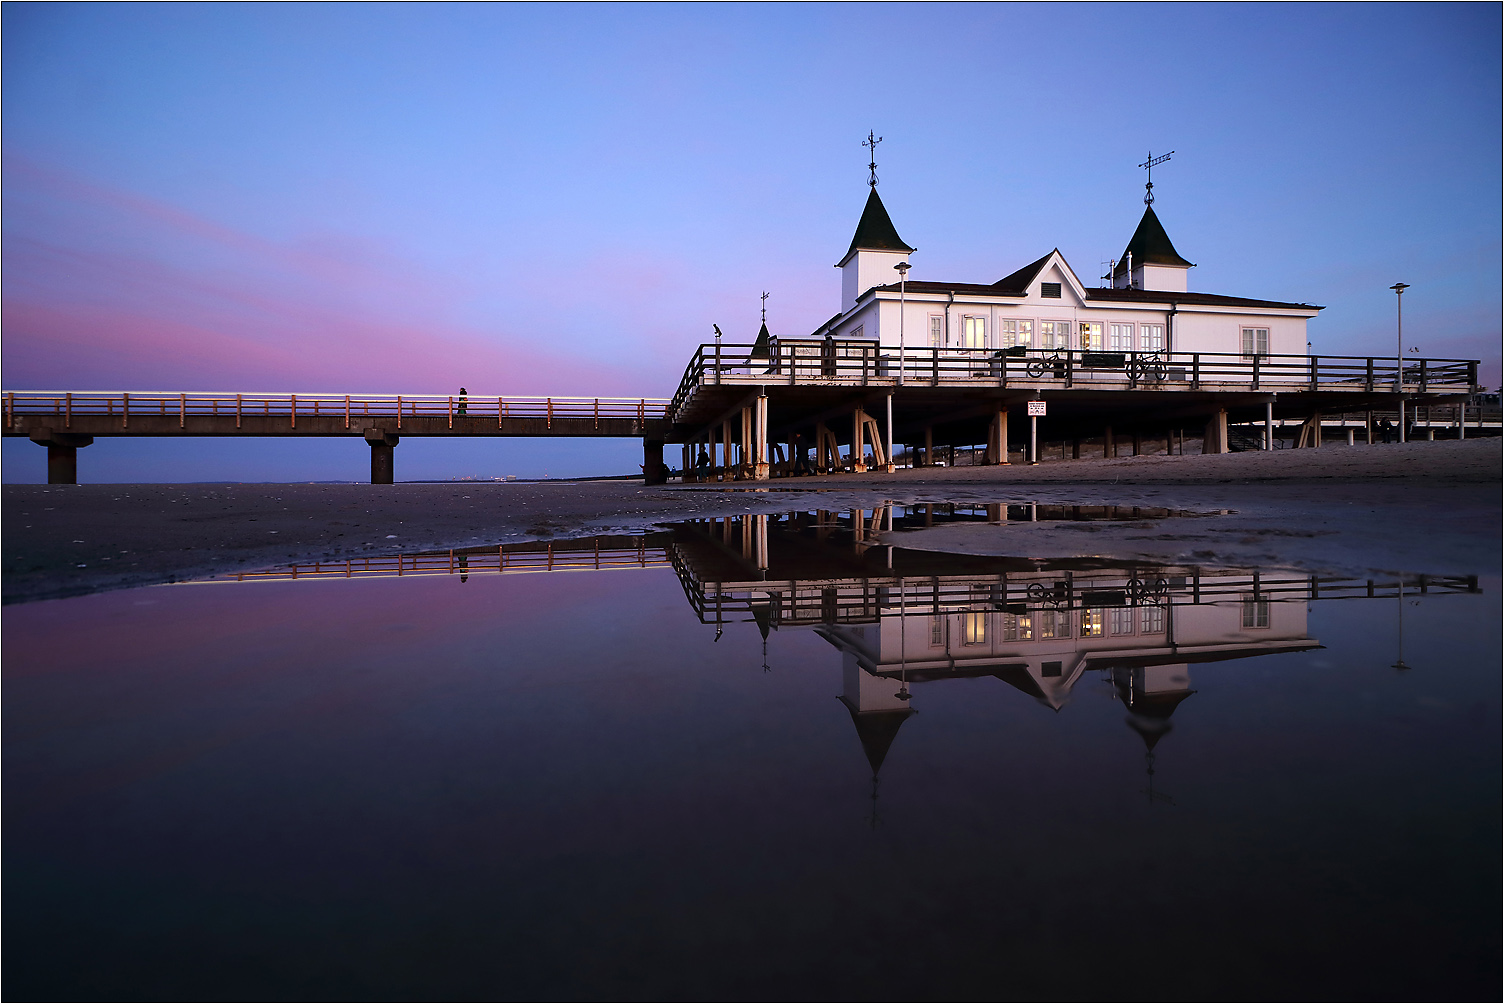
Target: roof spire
(1148,165)
(765,307)
(871,141)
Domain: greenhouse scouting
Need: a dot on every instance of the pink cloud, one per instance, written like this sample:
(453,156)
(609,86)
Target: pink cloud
(167,299)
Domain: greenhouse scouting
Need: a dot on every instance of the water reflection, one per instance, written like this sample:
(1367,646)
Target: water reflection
(899,618)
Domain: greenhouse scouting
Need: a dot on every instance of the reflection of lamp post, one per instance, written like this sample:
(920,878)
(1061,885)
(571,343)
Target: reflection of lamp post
(1399,661)
(1399,350)
(903,277)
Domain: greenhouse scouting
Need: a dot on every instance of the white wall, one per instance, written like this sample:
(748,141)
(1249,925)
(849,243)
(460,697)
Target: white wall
(866,269)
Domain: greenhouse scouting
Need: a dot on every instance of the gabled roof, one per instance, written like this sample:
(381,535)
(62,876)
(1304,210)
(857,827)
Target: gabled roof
(1150,245)
(876,232)
(1189,299)
(760,350)
(1019,281)
(1101,294)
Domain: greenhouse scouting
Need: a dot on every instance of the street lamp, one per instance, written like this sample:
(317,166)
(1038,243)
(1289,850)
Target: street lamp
(1399,349)
(903,276)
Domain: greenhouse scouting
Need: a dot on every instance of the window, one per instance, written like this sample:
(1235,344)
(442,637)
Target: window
(1091,623)
(1054,334)
(937,330)
(1255,342)
(856,332)
(1011,333)
(937,632)
(1120,338)
(1018,627)
(1054,624)
(1151,620)
(1091,336)
(974,627)
(974,332)
(1050,289)
(1049,669)
(1255,613)
(1151,337)
(1122,620)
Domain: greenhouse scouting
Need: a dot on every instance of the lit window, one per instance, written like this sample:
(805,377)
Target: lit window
(1054,624)
(937,330)
(1151,620)
(974,627)
(1122,620)
(1091,336)
(1255,342)
(1255,613)
(1120,338)
(1091,623)
(1018,627)
(974,333)
(1151,337)
(1054,334)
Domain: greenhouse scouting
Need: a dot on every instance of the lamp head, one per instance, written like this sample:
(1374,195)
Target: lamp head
(1399,288)
(903,269)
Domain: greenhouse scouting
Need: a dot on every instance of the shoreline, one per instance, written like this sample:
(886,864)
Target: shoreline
(1338,508)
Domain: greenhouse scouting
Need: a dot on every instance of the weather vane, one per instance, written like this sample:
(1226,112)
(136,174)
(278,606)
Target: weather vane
(765,307)
(872,140)
(1148,165)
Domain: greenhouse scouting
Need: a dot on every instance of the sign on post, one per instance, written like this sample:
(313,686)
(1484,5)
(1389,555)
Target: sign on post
(1036,409)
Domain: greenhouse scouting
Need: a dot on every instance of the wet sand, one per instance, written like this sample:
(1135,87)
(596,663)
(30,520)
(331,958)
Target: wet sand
(1418,507)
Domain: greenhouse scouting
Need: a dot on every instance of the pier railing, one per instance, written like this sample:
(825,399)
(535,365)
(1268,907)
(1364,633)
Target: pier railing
(353,409)
(837,362)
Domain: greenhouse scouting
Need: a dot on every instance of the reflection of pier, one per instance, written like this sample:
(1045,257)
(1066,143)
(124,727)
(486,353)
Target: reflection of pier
(901,617)
(588,554)
(904,617)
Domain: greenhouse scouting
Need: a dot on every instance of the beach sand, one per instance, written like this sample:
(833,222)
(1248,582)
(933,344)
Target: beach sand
(1418,507)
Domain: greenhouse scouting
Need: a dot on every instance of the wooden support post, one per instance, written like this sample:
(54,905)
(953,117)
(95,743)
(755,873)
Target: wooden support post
(760,467)
(1368,423)
(929,446)
(685,464)
(1214,440)
(997,439)
(1138,443)
(1316,430)
(1109,448)
(726,474)
(1076,448)
(654,471)
(858,448)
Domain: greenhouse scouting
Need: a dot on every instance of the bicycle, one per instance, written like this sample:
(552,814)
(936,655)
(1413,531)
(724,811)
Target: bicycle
(1055,364)
(1148,369)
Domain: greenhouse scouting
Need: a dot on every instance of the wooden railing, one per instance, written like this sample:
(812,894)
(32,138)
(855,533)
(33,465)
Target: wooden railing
(864,363)
(566,556)
(352,409)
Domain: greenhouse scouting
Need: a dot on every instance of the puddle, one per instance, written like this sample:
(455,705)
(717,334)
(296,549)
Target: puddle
(758,751)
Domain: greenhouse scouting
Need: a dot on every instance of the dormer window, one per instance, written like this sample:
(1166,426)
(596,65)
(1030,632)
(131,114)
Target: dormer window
(1050,290)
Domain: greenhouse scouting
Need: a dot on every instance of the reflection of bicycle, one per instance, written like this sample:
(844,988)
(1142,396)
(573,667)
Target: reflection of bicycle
(1053,596)
(1143,590)
(1148,369)
(1054,364)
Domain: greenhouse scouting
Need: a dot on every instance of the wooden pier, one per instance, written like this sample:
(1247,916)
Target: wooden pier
(749,412)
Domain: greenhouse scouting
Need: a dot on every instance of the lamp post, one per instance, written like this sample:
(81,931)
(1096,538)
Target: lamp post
(903,276)
(1399,349)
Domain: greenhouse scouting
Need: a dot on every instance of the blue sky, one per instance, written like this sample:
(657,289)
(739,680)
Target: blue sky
(562,199)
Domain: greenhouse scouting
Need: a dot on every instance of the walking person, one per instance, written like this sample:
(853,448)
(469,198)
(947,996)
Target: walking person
(461,409)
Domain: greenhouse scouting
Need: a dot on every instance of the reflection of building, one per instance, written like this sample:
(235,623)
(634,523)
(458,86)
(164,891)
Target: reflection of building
(901,618)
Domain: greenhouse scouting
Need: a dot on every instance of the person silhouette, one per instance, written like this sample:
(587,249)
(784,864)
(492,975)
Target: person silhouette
(463,399)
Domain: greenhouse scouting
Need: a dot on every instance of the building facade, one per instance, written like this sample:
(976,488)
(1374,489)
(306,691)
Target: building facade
(1044,306)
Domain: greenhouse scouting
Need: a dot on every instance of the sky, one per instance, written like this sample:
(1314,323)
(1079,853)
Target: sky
(562,199)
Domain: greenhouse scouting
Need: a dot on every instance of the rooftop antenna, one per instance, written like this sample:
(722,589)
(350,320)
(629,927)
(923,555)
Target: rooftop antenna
(1148,165)
(871,141)
(765,307)
(1111,266)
